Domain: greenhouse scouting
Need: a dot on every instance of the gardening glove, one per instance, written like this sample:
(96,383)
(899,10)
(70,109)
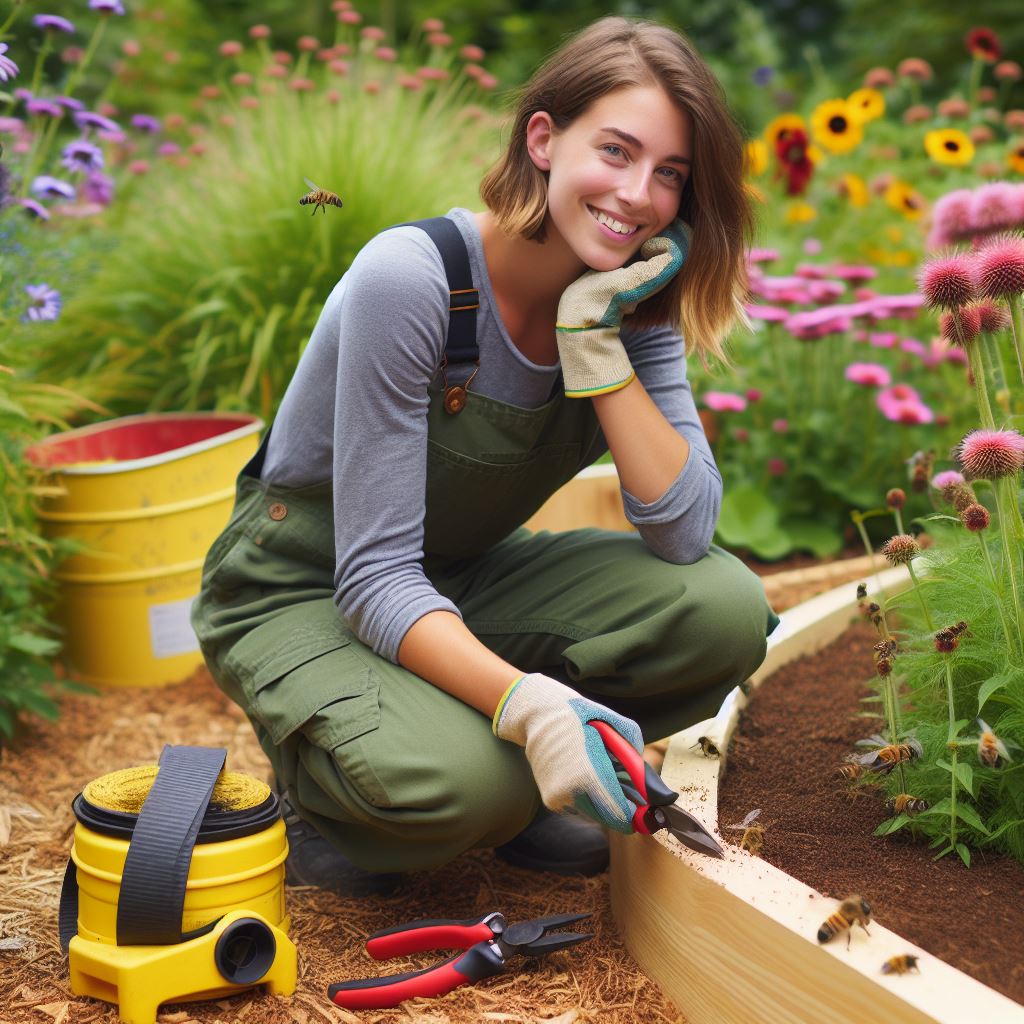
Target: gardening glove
(569,761)
(590,312)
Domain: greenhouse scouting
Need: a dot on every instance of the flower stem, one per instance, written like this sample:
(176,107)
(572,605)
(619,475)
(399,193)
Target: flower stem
(952,800)
(1017,328)
(975,81)
(999,596)
(920,598)
(898,516)
(859,523)
(977,360)
(949,697)
(1003,501)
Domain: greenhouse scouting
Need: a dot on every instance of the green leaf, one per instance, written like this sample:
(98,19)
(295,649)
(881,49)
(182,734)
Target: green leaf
(944,765)
(746,513)
(808,535)
(891,825)
(30,643)
(990,686)
(965,854)
(40,704)
(6,722)
(965,812)
(942,853)
(965,776)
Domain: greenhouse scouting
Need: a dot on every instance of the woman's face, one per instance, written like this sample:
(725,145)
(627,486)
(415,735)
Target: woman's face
(625,161)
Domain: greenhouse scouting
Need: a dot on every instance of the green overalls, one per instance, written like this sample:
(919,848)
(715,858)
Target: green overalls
(396,773)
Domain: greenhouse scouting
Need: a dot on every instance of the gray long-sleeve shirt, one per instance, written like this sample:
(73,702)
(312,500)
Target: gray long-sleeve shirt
(355,413)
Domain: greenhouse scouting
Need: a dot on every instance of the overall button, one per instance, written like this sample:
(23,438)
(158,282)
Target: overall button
(277,511)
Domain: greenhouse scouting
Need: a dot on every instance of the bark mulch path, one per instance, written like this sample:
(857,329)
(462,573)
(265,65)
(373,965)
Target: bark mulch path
(97,734)
(797,728)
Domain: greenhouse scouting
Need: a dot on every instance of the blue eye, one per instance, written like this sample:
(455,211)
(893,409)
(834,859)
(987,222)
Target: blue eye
(611,145)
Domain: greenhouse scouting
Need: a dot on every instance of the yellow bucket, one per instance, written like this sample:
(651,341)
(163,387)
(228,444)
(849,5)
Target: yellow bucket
(147,495)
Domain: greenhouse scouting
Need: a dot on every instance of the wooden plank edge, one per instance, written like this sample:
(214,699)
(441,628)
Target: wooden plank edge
(729,938)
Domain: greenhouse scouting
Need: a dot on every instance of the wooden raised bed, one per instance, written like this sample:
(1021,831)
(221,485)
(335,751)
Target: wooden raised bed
(734,940)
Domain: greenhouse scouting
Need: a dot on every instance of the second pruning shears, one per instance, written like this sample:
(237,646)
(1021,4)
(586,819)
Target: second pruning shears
(656,807)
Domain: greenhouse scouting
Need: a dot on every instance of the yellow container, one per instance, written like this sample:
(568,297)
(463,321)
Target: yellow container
(147,495)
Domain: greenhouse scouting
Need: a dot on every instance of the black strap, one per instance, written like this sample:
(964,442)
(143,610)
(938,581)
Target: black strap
(152,892)
(460,346)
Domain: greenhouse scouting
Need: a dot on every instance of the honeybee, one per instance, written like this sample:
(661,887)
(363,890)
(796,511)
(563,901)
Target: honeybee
(707,748)
(888,755)
(851,771)
(948,639)
(900,964)
(921,464)
(753,835)
(991,749)
(904,803)
(853,910)
(885,648)
(319,197)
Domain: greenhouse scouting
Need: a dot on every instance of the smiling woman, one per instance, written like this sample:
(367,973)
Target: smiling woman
(423,671)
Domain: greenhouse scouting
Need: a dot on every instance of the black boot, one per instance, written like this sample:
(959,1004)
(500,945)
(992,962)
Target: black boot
(312,860)
(565,844)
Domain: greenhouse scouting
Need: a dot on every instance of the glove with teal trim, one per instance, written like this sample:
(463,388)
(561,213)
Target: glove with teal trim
(590,312)
(570,764)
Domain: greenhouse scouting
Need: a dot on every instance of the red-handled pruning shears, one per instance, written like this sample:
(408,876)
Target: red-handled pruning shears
(489,943)
(655,802)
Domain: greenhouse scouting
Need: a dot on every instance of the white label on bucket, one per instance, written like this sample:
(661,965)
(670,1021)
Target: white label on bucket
(170,630)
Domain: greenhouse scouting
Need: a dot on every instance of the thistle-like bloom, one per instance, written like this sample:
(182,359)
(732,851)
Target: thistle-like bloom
(901,549)
(993,317)
(999,267)
(995,206)
(895,498)
(975,517)
(947,478)
(8,69)
(952,218)
(960,326)
(45,302)
(959,496)
(868,375)
(82,155)
(948,281)
(724,401)
(990,454)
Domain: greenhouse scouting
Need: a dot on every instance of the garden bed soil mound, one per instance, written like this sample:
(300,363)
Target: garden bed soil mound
(798,727)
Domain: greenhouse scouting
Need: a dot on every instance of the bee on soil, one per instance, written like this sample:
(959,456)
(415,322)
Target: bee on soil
(853,910)
(991,749)
(319,197)
(888,755)
(753,835)
(904,803)
(707,748)
(900,964)
(851,771)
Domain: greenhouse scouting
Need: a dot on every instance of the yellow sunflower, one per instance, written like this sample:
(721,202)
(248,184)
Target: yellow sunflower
(755,158)
(800,213)
(1015,157)
(949,146)
(902,198)
(854,188)
(780,124)
(836,127)
(815,155)
(866,104)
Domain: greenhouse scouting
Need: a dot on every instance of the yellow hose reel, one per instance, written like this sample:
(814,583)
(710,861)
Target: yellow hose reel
(175,887)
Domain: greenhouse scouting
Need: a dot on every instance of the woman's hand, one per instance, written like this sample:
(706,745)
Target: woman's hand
(590,313)
(570,764)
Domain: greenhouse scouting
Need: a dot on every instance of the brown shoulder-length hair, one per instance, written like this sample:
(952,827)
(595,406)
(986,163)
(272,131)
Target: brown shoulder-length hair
(705,299)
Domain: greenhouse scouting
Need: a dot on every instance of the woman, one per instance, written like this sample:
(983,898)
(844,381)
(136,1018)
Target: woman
(419,669)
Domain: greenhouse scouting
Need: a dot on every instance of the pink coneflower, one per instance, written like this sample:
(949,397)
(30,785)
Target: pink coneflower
(433,25)
(241,79)
(901,549)
(338,67)
(410,82)
(914,347)
(471,52)
(878,78)
(954,108)
(1000,267)
(386,53)
(741,434)
(349,17)
(980,134)
(994,206)
(947,478)
(230,48)
(868,375)
(487,82)
(1007,70)
(902,404)
(975,517)
(780,426)
(960,326)
(724,401)
(249,102)
(762,255)
(1014,120)
(853,272)
(993,317)
(812,246)
(259,32)
(753,395)
(916,68)
(770,314)
(373,32)
(776,467)
(810,271)
(947,281)
(432,74)
(883,339)
(990,454)
(308,44)
(299,84)
(917,114)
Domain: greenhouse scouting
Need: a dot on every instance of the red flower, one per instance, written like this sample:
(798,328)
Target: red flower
(983,43)
(791,149)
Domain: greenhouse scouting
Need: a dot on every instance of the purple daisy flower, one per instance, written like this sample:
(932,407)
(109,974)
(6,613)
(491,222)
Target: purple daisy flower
(70,102)
(46,185)
(106,6)
(53,23)
(34,208)
(8,69)
(98,188)
(87,119)
(168,149)
(82,155)
(43,108)
(146,123)
(21,94)
(12,125)
(45,302)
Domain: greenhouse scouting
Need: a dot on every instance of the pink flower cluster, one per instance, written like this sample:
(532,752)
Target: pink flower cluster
(902,404)
(966,214)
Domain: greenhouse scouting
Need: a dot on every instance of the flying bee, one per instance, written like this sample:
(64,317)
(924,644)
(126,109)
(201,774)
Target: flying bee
(707,748)
(850,771)
(900,964)
(853,910)
(904,803)
(862,591)
(753,835)
(319,197)
(991,749)
(921,464)
(887,755)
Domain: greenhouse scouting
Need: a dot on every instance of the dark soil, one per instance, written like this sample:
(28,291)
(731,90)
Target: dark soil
(820,832)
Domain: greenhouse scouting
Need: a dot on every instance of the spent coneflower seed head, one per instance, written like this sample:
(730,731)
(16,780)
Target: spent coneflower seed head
(883,667)
(991,454)
(946,641)
(975,517)
(999,266)
(901,549)
(947,281)
(993,317)
(960,326)
(895,498)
